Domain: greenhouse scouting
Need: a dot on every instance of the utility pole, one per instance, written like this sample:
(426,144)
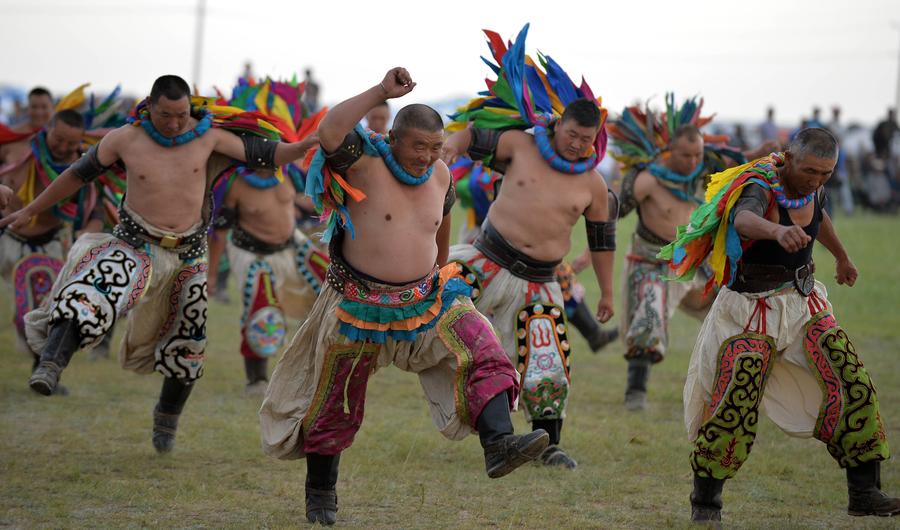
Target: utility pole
(198,42)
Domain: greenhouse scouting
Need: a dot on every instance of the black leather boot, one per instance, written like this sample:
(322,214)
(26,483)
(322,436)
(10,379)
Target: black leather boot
(62,342)
(257,376)
(636,391)
(706,500)
(321,492)
(172,397)
(864,491)
(554,455)
(586,324)
(503,450)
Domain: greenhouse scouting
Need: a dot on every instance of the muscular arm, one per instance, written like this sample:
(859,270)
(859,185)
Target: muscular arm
(231,145)
(458,145)
(845,270)
(341,119)
(602,261)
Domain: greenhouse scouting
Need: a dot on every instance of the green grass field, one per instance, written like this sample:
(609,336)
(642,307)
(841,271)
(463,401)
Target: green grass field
(86,460)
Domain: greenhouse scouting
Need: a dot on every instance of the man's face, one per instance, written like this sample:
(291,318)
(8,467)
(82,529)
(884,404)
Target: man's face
(685,155)
(377,119)
(170,117)
(572,141)
(63,141)
(803,176)
(40,109)
(416,150)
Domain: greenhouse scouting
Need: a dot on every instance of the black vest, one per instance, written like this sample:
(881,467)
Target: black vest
(769,252)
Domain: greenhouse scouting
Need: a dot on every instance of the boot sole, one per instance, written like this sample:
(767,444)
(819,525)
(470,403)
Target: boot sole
(864,514)
(41,387)
(528,453)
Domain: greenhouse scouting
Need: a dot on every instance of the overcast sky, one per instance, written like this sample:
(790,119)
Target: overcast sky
(740,56)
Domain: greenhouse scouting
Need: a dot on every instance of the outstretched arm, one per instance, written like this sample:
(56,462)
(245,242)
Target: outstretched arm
(480,144)
(232,146)
(602,253)
(341,119)
(66,184)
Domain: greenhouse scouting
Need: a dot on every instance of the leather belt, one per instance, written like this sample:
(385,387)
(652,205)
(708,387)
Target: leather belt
(756,278)
(498,250)
(247,241)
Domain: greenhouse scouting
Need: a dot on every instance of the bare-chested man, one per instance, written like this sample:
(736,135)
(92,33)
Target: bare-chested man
(153,266)
(663,194)
(278,269)
(31,255)
(40,110)
(388,300)
(527,233)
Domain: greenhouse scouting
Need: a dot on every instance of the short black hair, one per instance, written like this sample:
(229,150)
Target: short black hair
(39,91)
(584,111)
(170,86)
(689,131)
(418,116)
(70,117)
(814,141)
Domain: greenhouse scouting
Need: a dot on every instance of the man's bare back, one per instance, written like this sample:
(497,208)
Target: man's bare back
(660,211)
(537,205)
(397,224)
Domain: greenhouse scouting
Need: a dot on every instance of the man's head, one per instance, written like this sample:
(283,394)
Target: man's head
(40,107)
(417,137)
(64,135)
(577,130)
(170,105)
(685,150)
(377,119)
(809,161)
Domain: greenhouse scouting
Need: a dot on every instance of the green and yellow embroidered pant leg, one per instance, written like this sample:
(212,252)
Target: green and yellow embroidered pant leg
(781,354)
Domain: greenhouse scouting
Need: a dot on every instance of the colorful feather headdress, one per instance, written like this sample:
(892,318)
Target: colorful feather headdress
(641,135)
(525,93)
(711,231)
(474,188)
(282,105)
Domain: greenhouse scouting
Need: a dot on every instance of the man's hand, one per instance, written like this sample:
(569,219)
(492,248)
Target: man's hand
(792,238)
(605,309)
(16,220)
(310,141)
(6,195)
(449,154)
(397,83)
(846,272)
(581,262)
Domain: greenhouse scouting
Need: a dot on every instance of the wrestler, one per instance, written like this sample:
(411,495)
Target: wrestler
(153,266)
(387,300)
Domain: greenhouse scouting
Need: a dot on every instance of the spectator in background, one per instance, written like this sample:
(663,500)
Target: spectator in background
(311,93)
(768,131)
(840,190)
(883,137)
